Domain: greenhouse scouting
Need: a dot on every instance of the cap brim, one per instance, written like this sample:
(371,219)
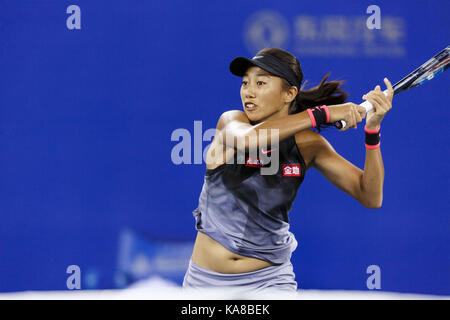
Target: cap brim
(240,65)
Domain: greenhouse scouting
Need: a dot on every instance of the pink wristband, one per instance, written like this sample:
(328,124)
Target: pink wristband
(324,107)
(311,116)
(371,135)
(377,130)
(373,147)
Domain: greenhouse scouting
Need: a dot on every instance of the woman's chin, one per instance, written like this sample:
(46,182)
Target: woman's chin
(253,118)
(252,115)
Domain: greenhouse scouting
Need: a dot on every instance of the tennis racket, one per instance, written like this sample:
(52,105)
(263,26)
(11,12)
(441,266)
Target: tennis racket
(437,64)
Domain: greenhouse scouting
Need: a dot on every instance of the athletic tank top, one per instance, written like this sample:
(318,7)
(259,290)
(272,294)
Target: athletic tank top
(247,212)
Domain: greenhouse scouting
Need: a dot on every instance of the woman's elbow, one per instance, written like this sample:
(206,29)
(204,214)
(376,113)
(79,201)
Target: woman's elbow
(371,201)
(372,204)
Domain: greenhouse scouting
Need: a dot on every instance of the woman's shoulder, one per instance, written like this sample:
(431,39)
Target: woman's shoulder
(231,115)
(232,112)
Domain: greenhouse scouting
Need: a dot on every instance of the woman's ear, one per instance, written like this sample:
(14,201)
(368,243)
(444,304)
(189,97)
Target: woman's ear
(290,94)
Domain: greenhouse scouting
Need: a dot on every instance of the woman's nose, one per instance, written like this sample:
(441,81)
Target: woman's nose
(249,92)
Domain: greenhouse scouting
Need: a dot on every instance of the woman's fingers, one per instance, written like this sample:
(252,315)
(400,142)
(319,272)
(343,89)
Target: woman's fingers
(381,102)
(352,114)
(385,102)
(357,116)
(349,117)
(389,88)
(353,117)
(386,98)
(377,101)
(361,110)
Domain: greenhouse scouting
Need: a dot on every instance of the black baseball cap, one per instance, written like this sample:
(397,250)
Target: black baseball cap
(267,62)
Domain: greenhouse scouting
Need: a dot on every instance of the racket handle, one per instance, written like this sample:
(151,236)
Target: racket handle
(341,124)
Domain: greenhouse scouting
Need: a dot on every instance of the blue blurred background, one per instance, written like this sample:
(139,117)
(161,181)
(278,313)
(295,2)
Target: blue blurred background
(87,175)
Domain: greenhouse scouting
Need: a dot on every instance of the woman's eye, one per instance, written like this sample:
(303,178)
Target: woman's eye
(259,83)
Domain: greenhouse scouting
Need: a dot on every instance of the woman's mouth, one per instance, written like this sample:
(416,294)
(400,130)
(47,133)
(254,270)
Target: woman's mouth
(250,106)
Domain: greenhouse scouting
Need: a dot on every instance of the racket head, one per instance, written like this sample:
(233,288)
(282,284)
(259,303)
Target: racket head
(427,71)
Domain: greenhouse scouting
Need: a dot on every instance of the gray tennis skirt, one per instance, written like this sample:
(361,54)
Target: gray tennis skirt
(279,277)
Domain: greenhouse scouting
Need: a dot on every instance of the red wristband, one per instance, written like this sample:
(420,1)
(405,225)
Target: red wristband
(324,107)
(377,130)
(311,116)
(372,137)
(373,147)
(319,115)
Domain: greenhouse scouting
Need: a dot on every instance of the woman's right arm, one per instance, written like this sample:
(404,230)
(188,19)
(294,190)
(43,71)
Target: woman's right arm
(235,130)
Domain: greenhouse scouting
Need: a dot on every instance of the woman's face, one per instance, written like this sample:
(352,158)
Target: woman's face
(262,94)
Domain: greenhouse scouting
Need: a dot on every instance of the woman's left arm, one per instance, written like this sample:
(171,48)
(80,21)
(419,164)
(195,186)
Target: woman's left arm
(365,186)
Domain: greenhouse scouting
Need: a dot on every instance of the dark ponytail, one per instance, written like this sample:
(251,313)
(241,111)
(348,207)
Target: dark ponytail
(326,93)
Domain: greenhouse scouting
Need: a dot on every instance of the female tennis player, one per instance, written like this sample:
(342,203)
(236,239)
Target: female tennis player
(243,237)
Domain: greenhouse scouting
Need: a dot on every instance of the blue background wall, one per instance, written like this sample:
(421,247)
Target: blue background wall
(86,118)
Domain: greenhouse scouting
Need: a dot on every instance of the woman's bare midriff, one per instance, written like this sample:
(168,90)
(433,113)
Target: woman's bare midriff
(211,255)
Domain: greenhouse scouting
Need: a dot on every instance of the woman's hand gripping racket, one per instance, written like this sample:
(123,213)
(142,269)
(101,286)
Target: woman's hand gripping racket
(437,64)
(377,104)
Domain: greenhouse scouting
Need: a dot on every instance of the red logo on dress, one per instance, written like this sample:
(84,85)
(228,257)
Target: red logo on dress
(252,162)
(291,170)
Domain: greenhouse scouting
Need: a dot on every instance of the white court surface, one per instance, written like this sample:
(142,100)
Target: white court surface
(160,289)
